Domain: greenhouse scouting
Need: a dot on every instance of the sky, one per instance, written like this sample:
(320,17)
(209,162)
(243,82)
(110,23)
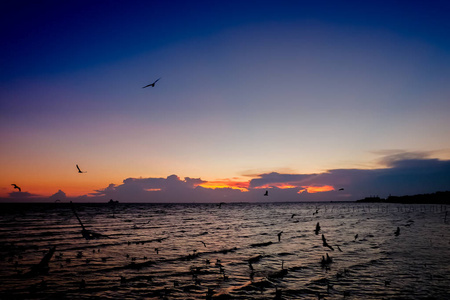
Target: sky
(301,98)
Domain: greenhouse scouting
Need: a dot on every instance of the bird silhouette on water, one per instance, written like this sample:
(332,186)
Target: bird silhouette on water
(16,187)
(79,170)
(152,84)
(325,244)
(397,232)
(279,236)
(316,231)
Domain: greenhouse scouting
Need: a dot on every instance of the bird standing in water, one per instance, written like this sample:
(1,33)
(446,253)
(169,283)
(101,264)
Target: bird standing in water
(279,236)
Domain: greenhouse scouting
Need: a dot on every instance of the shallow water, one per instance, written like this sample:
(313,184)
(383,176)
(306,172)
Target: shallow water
(375,265)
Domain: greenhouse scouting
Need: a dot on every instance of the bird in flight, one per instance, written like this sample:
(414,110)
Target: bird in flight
(341,189)
(152,84)
(16,187)
(79,170)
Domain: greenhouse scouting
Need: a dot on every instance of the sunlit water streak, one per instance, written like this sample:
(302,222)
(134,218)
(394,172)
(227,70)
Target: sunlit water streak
(158,251)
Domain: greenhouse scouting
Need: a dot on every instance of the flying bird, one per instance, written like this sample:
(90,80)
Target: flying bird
(266,193)
(341,189)
(16,187)
(79,170)
(152,84)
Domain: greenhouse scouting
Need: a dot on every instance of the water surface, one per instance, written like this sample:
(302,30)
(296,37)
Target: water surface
(187,251)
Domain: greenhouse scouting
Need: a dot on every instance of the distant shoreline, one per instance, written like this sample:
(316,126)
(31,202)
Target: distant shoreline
(434,198)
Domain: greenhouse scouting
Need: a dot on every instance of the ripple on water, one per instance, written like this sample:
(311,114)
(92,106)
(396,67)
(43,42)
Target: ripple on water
(183,251)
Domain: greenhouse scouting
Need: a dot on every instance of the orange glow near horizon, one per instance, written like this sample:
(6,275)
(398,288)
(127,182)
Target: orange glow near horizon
(316,189)
(223,184)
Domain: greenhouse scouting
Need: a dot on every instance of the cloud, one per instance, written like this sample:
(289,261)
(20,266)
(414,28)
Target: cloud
(405,173)
(275,179)
(21,195)
(391,157)
(59,195)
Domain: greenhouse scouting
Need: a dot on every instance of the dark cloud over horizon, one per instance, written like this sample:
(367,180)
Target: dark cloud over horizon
(403,175)
(400,177)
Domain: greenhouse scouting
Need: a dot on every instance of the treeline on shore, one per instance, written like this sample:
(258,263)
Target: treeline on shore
(434,198)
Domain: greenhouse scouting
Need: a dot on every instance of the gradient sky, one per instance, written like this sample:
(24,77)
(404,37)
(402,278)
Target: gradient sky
(284,93)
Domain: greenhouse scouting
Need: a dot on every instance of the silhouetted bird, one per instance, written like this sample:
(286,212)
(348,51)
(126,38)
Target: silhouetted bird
(316,231)
(356,237)
(279,236)
(203,243)
(16,187)
(325,244)
(341,189)
(397,232)
(79,170)
(293,215)
(266,193)
(152,84)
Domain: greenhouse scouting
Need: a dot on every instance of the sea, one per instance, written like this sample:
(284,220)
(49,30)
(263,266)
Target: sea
(225,251)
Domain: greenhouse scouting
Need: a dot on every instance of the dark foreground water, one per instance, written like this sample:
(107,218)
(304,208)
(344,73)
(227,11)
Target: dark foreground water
(202,251)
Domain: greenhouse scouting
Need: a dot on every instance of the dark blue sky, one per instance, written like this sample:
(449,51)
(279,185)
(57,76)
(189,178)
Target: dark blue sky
(57,36)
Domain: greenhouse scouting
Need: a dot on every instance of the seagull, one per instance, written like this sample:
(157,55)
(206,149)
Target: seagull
(79,170)
(152,84)
(16,187)
(341,189)
(266,193)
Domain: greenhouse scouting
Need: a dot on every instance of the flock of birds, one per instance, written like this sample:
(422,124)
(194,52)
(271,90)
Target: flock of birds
(88,234)
(325,262)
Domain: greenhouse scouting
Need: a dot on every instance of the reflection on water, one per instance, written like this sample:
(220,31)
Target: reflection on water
(203,251)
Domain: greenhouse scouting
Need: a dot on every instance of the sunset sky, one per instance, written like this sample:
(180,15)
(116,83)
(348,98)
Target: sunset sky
(298,97)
